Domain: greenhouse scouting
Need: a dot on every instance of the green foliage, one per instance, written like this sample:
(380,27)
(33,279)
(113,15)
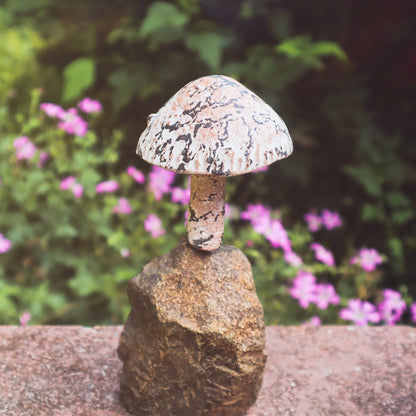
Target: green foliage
(78,76)
(18,46)
(384,177)
(66,264)
(350,119)
(66,256)
(310,53)
(209,47)
(163,23)
(130,82)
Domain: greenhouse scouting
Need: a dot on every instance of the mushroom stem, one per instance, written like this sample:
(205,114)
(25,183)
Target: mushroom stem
(206,212)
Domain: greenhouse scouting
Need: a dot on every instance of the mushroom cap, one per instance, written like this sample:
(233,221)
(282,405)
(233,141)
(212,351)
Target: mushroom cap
(214,126)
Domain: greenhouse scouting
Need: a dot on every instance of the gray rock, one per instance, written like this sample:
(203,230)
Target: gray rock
(194,342)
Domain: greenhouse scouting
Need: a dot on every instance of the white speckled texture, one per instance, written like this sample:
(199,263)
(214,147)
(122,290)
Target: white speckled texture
(205,226)
(214,125)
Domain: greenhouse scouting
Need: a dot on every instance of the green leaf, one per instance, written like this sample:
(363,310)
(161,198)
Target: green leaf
(396,248)
(397,199)
(293,47)
(163,22)
(367,178)
(208,45)
(18,46)
(190,6)
(304,49)
(327,48)
(78,76)
(123,274)
(89,179)
(372,212)
(402,216)
(65,230)
(84,284)
(135,80)
(41,298)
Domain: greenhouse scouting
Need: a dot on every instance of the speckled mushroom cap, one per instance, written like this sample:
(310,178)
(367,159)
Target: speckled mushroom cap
(214,126)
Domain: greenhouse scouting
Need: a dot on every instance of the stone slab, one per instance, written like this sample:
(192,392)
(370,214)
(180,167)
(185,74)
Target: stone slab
(311,371)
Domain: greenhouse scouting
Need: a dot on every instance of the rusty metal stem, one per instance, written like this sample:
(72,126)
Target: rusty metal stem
(205,225)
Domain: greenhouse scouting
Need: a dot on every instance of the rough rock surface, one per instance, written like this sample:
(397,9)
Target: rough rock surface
(320,371)
(194,341)
(59,371)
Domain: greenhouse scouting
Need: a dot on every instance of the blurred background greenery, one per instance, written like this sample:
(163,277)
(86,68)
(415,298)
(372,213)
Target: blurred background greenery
(340,73)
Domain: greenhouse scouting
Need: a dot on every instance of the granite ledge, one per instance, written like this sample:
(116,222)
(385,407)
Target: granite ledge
(311,371)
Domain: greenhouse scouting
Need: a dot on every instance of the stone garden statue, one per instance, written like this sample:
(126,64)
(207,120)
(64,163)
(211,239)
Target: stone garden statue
(194,342)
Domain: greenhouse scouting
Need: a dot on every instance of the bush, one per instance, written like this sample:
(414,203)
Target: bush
(349,106)
(71,246)
(74,230)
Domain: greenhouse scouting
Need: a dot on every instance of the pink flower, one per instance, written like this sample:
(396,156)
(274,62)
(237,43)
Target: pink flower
(153,225)
(67,183)
(360,312)
(181,195)
(322,254)
(123,207)
(307,291)
(277,235)
(52,110)
(25,149)
(228,211)
(328,219)
(392,307)
(331,220)
(292,258)
(77,190)
(135,174)
(125,252)
(90,106)
(367,258)
(313,221)
(261,221)
(259,217)
(70,183)
(43,158)
(324,295)
(73,123)
(106,186)
(5,244)
(303,288)
(160,181)
(25,318)
(413,311)
(313,321)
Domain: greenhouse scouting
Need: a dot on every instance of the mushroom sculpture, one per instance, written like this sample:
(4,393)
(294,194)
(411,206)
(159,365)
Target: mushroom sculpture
(212,128)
